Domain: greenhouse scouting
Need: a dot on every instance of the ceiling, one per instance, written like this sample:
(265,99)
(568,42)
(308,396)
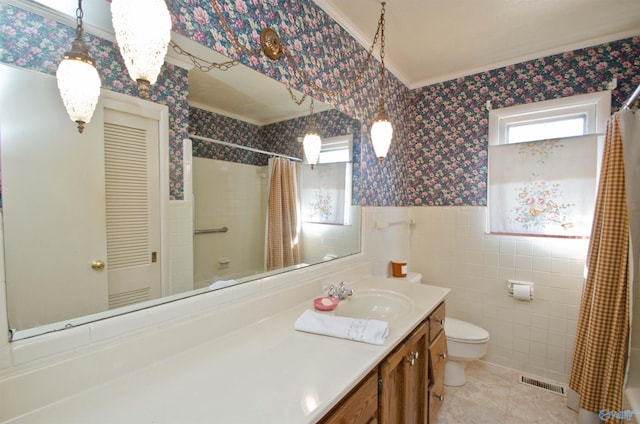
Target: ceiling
(427,41)
(430,41)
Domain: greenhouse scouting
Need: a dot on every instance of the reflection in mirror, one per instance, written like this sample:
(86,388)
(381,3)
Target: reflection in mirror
(54,241)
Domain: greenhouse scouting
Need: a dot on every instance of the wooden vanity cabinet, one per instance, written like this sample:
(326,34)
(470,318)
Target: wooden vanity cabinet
(404,381)
(407,387)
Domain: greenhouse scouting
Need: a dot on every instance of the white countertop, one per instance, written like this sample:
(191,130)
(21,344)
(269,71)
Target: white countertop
(265,372)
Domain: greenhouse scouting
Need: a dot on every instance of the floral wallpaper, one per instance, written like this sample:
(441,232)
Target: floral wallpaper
(280,137)
(37,43)
(449,121)
(329,56)
(439,149)
(283,136)
(220,127)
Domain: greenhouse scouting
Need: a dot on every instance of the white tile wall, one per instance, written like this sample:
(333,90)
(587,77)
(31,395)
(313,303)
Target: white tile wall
(385,237)
(231,195)
(181,232)
(448,245)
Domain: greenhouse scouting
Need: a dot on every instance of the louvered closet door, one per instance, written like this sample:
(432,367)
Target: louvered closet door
(132,208)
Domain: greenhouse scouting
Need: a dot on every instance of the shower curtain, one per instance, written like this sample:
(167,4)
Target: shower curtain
(283,246)
(602,340)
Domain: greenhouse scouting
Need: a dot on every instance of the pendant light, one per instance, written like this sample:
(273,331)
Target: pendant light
(312,142)
(143,31)
(381,130)
(78,79)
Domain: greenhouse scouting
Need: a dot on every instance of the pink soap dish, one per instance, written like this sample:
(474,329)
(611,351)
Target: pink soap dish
(326,303)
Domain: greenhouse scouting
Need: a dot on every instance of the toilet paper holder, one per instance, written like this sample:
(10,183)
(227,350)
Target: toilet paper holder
(512,283)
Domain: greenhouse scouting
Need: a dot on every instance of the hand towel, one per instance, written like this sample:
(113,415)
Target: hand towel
(361,330)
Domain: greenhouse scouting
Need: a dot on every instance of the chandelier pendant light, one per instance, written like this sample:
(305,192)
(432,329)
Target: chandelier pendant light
(143,32)
(312,142)
(381,130)
(78,79)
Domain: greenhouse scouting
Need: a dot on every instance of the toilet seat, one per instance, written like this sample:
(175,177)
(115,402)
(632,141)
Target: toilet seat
(464,332)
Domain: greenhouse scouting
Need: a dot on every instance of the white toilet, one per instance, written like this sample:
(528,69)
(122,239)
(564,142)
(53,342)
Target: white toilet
(465,342)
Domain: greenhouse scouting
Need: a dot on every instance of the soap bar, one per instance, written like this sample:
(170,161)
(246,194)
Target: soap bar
(326,301)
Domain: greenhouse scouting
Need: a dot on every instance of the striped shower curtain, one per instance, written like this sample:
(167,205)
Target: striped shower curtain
(283,238)
(602,339)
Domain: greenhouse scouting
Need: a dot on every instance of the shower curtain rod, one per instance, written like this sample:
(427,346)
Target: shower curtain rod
(633,97)
(238,146)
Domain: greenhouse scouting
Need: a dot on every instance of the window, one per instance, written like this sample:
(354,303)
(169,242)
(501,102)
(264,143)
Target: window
(565,117)
(564,126)
(336,149)
(325,191)
(543,160)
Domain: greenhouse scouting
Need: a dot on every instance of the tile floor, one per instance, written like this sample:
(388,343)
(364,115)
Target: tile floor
(493,394)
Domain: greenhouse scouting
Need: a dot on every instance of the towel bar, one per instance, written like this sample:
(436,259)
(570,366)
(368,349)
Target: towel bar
(211,230)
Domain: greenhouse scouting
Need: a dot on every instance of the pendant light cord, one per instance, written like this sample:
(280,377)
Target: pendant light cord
(382,79)
(79,16)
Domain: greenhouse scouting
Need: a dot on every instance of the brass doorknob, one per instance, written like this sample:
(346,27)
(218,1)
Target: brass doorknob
(97,265)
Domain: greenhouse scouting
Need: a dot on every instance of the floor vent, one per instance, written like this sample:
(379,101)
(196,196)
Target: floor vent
(549,387)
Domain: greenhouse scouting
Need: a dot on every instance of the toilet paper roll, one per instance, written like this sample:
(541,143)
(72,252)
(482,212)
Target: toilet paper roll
(521,292)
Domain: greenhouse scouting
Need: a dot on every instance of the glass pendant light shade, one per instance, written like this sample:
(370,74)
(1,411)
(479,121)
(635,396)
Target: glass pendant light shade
(143,31)
(381,130)
(381,134)
(312,144)
(78,81)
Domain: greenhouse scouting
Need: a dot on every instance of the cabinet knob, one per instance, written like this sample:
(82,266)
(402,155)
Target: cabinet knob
(439,397)
(440,321)
(443,355)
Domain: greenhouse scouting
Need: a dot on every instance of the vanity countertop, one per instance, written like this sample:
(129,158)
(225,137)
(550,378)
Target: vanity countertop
(265,372)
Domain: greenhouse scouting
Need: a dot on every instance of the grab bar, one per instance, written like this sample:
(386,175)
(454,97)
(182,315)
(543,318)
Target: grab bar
(211,230)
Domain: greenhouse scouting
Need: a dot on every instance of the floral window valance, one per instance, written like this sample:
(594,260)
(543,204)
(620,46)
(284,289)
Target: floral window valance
(543,188)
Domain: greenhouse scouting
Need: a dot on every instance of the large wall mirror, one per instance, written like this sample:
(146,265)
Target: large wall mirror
(217,236)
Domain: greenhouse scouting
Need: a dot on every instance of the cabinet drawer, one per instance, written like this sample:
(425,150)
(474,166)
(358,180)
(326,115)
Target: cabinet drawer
(438,357)
(358,407)
(436,322)
(436,399)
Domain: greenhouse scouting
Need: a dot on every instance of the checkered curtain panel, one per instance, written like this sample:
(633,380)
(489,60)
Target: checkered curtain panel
(283,247)
(600,355)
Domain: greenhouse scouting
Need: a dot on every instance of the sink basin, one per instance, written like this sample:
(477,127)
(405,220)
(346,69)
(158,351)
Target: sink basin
(374,304)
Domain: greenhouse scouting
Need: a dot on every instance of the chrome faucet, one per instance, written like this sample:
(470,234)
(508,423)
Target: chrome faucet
(339,292)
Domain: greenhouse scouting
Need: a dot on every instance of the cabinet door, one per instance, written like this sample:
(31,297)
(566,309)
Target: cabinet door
(404,381)
(437,361)
(358,407)
(438,358)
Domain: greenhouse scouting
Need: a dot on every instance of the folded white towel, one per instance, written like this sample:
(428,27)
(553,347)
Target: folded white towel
(222,283)
(361,330)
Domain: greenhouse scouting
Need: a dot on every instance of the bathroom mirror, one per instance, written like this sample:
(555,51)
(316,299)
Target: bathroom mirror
(322,241)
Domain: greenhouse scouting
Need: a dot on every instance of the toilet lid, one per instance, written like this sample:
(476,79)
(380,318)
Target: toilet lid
(463,331)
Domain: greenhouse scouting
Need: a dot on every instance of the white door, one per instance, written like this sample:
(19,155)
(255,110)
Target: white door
(132,207)
(53,203)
